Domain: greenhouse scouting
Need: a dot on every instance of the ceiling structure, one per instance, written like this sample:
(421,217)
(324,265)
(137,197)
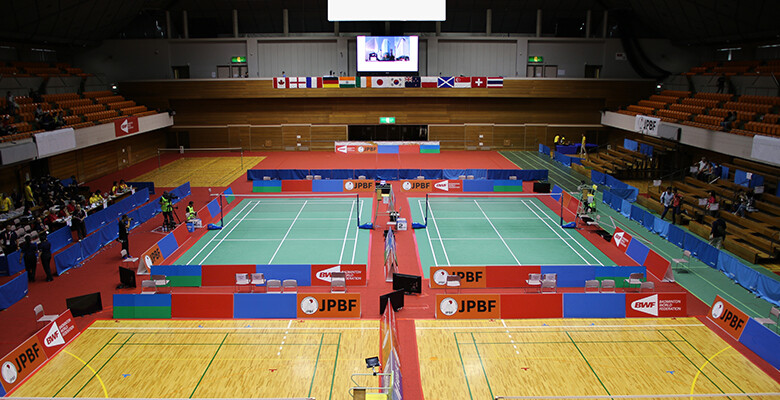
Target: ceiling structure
(693,22)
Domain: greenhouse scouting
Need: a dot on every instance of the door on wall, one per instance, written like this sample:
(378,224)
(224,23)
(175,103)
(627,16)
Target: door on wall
(479,136)
(371,133)
(296,137)
(181,72)
(123,157)
(592,71)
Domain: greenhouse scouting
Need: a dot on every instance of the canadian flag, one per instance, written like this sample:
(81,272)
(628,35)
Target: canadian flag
(478,81)
(280,83)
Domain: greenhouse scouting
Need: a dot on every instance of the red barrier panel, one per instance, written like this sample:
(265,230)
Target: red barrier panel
(223,275)
(468,306)
(547,305)
(659,266)
(510,275)
(661,305)
(409,148)
(181,234)
(202,305)
(470,277)
(296,185)
(621,239)
(356,274)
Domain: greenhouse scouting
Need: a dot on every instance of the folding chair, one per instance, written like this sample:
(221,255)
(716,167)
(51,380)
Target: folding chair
(534,280)
(453,281)
(634,279)
(607,285)
(647,285)
(549,284)
(273,286)
(148,287)
(361,177)
(686,259)
(338,282)
(774,312)
(161,281)
(242,280)
(592,284)
(290,286)
(40,316)
(420,177)
(258,278)
(550,277)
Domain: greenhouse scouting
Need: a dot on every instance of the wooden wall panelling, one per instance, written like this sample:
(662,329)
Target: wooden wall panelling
(323,136)
(64,166)
(451,137)
(209,137)
(296,137)
(479,136)
(535,134)
(265,138)
(509,137)
(238,136)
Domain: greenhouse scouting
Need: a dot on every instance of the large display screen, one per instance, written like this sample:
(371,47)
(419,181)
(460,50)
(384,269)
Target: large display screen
(387,53)
(387,10)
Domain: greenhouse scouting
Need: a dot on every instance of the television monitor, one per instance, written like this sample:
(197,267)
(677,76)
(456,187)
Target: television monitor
(387,10)
(387,53)
(86,304)
(126,278)
(396,299)
(408,283)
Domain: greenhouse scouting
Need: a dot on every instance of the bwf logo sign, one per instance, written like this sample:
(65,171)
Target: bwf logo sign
(126,126)
(656,305)
(621,239)
(647,305)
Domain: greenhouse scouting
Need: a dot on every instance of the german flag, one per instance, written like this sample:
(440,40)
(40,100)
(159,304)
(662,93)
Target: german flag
(330,82)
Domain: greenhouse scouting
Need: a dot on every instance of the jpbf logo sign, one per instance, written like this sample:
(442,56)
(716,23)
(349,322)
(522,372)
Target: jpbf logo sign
(328,305)
(656,305)
(470,277)
(355,148)
(621,239)
(126,126)
(728,317)
(416,186)
(21,362)
(468,306)
(356,274)
(358,185)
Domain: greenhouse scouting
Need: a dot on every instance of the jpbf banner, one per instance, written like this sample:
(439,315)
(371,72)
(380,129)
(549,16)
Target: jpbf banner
(656,305)
(470,277)
(646,125)
(468,306)
(356,274)
(416,185)
(329,305)
(728,317)
(621,239)
(126,126)
(356,148)
(358,185)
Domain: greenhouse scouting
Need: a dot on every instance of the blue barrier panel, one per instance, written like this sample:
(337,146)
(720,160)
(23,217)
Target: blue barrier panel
(661,227)
(68,258)
(614,183)
(265,305)
(740,178)
(143,185)
(625,208)
(342,174)
(629,144)
(562,159)
(431,173)
(606,196)
(387,174)
(60,238)
(94,221)
(724,172)
(267,184)
(14,265)
(597,177)
(637,214)
(108,234)
(506,182)
(167,245)
(637,251)
(478,173)
(213,208)
(594,305)
(91,244)
(617,203)
(453,173)
(532,175)
(387,149)
(13,291)
(177,270)
(327,186)
(299,272)
(135,219)
(618,271)
(429,147)
(181,191)
(570,275)
(629,193)
(142,300)
(693,244)
(477,186)
(556,192)
(409,173)
(2,391)
(648,220)
(502,173)
(708,254)
(761,285)
(148,211)
(762,341)
(324,173)
(646,149)
(544,149)
(676,236)
(368,173)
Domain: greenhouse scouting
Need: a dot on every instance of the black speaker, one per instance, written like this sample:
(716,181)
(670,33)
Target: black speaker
(541,187)
(86,304)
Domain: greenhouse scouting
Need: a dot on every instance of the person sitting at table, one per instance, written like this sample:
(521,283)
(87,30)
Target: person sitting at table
(71,206)
(38,226)
(122,185)
(6,204)
(96,198)
(49,218)
(114,188)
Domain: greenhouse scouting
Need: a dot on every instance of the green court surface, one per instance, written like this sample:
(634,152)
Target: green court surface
(297,230)
(497,231)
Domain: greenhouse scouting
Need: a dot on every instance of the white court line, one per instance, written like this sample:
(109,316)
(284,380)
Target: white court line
(433,219)
(524,238)
(567,234)
(551,327)
(357,232)
(232,227)
(300,219)
(499,235)
(217,234)
(481,218)
(419,203)
(289,240)
(511,340)
(284,338)
(555,232)
(238,328)
(346,231)
(288,232)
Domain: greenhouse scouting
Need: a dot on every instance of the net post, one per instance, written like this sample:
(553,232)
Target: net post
(427,205)
(357,199)
(242,158)
(221,209)
(561,201)
(159,164)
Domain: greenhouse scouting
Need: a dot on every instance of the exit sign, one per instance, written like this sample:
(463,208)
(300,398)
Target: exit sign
(536,59)
(238,59)
(386,120)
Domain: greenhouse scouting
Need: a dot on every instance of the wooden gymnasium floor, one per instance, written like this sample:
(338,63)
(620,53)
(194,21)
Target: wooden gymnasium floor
(575,357)
(200,171)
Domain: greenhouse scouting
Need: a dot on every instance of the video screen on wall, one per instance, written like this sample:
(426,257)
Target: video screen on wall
(387,10)
(387,53)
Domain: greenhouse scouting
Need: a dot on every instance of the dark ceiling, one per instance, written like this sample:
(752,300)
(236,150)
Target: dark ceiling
(696,22)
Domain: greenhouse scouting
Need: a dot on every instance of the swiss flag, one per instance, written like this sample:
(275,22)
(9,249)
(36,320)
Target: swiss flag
(478,81)
(280,83)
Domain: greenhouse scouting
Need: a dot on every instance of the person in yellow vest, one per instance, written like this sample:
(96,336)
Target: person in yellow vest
(29,199)
(6,204)
(96,198)
(114,188)
(122,185)
(191,213)
(557,139)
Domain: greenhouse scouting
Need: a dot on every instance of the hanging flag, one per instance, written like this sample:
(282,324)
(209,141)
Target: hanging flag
(462,82)
(429,81)
(495,82)
(280,83)
(330,82)
(446,82)
(314,82)
(346,81)
(296,82)
(381,81)
(478,81)
(364,82)
(397,82)
(412,81)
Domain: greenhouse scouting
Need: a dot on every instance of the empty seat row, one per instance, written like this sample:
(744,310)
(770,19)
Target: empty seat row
(121,104)
(756,108)
(95,116)
(55,97)
(700,102)
(75,103)
(88,109)
(133,110)
(691,109)
(99,93)
(771,118)
(771,100)
(640,109)
(680,115)
(108,99)
(664,99)
(708,119)
(741,115)
(676,93)
(713,96)
(652,104)
(762,127)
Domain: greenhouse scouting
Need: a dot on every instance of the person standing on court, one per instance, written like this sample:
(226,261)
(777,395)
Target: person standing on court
(718,233)
(124,230)
(29,256)
(77,222)
(45,248)
(166,206)
(666,200)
